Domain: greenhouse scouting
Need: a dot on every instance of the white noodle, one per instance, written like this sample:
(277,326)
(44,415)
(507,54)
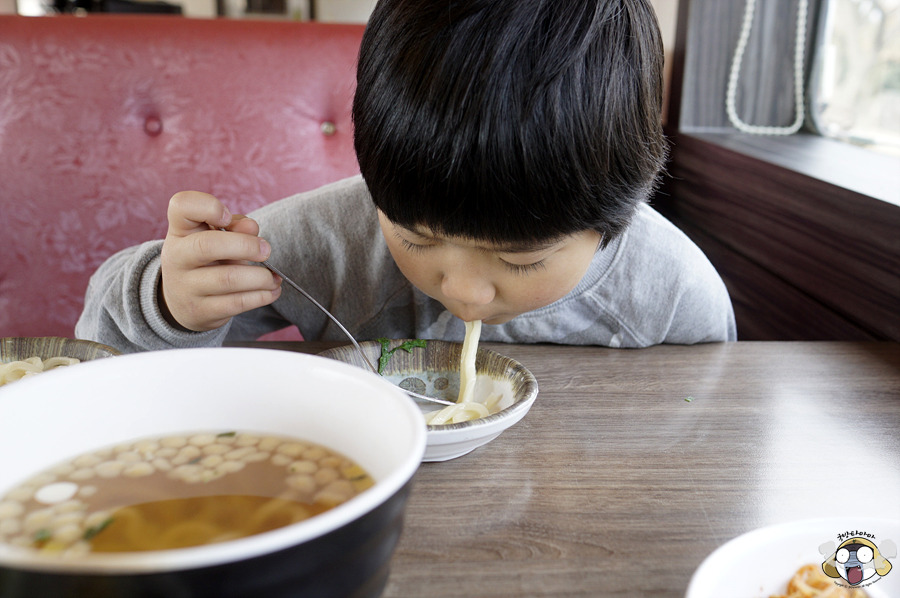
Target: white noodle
(460,412)
(467,372)
(15,370)
(466,407)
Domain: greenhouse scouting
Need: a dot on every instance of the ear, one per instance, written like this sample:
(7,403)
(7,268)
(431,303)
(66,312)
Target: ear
(826,549)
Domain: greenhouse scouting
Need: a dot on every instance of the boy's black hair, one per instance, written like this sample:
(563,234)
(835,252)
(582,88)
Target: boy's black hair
(510,121)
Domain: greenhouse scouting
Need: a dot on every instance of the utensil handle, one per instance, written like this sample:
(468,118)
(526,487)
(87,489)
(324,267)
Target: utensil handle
(299,289)
(337,322)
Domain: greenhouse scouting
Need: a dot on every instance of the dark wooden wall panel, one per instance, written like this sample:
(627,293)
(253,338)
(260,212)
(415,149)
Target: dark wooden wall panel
(767,307)
(830,259)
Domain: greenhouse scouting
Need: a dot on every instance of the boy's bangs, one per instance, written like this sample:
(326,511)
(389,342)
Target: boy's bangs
(484,212)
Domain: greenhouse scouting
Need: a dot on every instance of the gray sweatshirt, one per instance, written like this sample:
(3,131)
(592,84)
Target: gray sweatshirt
(651,285)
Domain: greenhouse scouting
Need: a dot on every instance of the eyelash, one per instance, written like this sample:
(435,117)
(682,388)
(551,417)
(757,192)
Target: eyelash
(525,269)
(520,269)
(411,247)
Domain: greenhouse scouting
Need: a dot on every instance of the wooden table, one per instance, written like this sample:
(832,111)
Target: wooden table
(634,465)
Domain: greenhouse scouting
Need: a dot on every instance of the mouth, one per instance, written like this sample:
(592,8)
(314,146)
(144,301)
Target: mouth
(489,319)
(854,575)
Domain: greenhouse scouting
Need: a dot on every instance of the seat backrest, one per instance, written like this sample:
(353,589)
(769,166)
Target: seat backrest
(103,118)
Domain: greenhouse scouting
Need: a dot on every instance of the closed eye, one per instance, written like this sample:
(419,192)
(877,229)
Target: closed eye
(410,246)
(524,269)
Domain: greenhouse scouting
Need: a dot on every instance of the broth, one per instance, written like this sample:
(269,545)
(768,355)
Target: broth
(177,491)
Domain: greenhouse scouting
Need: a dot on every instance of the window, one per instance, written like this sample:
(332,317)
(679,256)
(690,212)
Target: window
(854,91)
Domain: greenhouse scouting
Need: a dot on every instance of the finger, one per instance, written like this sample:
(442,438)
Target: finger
(231,278)
(213,311)
(243,224)
(193,211)
(214,246)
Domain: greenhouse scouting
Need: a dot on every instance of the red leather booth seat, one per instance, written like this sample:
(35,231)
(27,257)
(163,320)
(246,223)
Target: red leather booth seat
(104,118)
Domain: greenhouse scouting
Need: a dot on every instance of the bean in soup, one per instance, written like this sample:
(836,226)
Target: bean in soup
(175,492)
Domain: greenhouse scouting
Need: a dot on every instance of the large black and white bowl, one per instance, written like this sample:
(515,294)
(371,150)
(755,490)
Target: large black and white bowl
(344,552)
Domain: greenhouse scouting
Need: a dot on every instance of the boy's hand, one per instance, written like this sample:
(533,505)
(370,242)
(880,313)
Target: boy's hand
(206,277)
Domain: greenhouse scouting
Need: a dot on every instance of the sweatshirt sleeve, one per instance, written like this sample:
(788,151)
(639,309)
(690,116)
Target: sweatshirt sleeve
(121,308)
(663,289)
(702,312)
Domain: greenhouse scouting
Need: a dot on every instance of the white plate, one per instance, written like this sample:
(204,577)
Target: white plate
(760,563)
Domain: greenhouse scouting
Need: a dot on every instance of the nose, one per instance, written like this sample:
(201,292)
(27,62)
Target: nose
(467,286)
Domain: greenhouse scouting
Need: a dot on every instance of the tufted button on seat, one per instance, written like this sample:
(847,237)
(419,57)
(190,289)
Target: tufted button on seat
(247,134)
(153,126)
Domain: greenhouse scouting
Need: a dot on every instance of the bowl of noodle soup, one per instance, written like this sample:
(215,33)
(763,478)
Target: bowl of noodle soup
(505,388)
(90,431)
(22,356)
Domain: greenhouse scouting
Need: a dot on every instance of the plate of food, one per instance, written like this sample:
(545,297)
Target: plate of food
(843,557)
(24,356)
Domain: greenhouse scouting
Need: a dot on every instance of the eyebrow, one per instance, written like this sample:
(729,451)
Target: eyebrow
(532,247)
(528,247)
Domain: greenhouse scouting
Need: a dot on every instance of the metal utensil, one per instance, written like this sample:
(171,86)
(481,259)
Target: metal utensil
(362,354)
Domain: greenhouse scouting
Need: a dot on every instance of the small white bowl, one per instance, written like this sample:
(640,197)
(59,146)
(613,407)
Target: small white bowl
(434,371)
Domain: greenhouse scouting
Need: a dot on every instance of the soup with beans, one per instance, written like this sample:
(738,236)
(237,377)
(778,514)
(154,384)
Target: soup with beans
(176,491)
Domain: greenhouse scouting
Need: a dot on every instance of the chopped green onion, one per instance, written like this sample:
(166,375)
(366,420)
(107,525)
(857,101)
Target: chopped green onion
(91,532)
(387,353)
(408,346)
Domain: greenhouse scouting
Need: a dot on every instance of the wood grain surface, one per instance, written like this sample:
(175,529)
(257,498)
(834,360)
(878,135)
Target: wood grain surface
(790,246)
(615,485)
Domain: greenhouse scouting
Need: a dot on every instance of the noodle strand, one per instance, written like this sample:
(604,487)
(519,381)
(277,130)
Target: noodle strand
(466,407)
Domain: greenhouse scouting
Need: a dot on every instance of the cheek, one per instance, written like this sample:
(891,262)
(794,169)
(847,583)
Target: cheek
(533,292)
(551,286)
(414,268)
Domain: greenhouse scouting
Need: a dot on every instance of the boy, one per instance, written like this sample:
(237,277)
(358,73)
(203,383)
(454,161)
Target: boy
(507,149)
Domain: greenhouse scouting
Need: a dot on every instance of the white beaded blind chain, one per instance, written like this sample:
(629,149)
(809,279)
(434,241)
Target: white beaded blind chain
(734,75)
